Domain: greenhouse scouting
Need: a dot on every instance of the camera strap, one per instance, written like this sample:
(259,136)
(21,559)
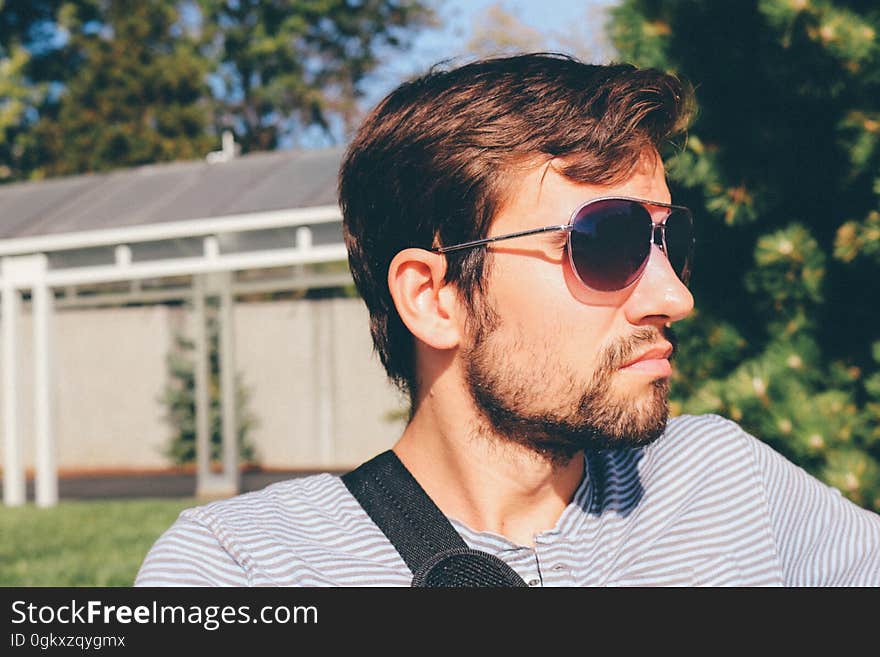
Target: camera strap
(424,537)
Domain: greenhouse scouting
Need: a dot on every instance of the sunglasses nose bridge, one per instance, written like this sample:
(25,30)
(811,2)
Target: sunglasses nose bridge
(658,235)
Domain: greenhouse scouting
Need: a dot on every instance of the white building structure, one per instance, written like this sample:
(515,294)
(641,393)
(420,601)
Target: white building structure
(186,231)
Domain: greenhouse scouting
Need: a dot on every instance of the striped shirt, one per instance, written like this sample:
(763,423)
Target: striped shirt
(705,505)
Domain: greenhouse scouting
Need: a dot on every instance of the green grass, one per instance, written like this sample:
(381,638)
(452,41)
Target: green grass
(99,543)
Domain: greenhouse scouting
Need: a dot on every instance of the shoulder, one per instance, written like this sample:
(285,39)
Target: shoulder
(294,501)
(297,512)
(699,459)
(222,543)
(800,507)
(700,444)
(703,430)
(711,446)
(714,439)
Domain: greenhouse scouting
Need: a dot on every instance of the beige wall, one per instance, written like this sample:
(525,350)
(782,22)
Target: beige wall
(309,419)
(318,392)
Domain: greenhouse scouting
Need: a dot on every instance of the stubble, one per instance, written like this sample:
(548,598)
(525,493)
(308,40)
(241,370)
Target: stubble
(526,395)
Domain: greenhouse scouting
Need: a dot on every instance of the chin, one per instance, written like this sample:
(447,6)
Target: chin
(629,420)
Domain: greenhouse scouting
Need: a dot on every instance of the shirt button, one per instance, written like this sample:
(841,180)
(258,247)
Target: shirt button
(534,582)
(560,566)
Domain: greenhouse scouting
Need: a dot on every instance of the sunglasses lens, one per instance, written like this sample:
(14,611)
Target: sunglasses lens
(610,243)
(680,242)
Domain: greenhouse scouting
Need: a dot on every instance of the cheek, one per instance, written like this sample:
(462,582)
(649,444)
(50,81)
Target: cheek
(544,305)
(600,315)
(529,292)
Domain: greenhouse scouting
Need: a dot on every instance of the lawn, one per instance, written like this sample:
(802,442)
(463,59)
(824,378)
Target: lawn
(85,543)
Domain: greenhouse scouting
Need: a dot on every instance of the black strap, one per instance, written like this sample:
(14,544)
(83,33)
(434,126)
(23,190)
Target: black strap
(402,509)
(424,537)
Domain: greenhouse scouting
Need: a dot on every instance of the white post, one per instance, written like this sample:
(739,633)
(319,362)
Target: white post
(211,247)
(304,239)
(227,142)
(324,374)
(122,254)
(46,460)
(304,245)
(202,374)
(13,463)
(227,384)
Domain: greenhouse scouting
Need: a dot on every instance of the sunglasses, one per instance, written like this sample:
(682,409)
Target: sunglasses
(610,239)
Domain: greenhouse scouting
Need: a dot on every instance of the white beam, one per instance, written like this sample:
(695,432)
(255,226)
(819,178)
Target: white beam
(13,462)
(197,265)
(172,230)
(46,459)
(306,282)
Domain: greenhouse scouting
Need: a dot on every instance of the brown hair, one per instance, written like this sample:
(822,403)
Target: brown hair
(429,164)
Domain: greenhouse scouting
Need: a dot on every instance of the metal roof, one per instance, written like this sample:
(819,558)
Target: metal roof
(173,192)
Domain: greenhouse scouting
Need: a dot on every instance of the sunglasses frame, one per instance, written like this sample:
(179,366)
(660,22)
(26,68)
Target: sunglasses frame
(569,228)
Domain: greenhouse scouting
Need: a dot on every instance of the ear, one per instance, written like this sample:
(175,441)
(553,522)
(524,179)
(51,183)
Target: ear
(426,303)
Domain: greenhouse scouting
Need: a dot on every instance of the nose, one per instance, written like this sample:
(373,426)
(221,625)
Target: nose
(659,297)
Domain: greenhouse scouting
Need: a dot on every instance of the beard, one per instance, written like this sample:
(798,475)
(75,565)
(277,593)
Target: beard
(577,417)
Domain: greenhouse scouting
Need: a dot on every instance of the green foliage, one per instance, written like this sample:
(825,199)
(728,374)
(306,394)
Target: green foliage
(138,98)
(81,543)
(859,239)
(14,97)
(787,276)
(90,85)
(12,90)
(179,400)
(282,65)
(780,166)
(22,89)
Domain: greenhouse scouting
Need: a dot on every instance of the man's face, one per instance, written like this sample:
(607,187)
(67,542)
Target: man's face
(549,362)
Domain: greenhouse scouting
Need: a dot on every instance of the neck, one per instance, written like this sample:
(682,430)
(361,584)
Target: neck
(488,482)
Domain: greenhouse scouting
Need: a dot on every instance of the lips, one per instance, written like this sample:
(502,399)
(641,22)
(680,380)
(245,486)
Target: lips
(661,351)
(653,361)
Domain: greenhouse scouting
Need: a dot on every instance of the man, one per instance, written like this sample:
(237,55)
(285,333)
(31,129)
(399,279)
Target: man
(511,231)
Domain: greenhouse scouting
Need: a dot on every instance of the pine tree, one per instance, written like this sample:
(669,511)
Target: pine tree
(137,96)
(112,83)
(15,98)
(782,169)
(24,66)
(282,66)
